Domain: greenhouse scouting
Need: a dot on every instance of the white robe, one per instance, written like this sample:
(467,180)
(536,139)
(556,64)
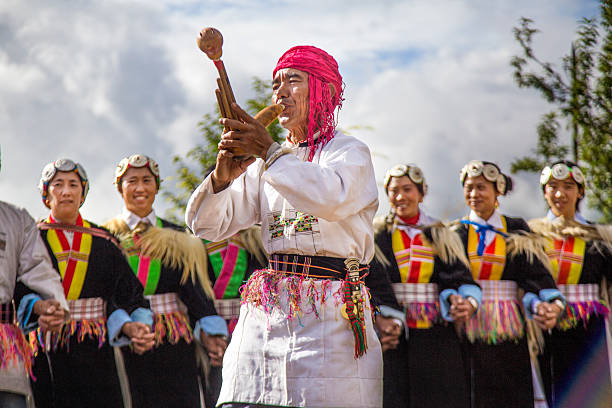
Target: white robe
(319,208)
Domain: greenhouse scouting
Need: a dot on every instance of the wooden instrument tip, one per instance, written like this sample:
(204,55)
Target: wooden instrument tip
(210,42)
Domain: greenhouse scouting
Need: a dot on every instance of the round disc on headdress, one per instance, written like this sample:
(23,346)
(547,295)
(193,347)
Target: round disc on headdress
(490,172)
(545,176)
(501,184)
(415,174)
(474,168)
(122,167)
(577,175)
(48,172)
(560,171)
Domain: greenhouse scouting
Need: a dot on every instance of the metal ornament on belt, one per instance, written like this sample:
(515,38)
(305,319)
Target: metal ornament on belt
(352,267)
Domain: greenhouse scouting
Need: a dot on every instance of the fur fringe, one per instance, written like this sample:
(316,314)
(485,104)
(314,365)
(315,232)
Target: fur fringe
(175,249)
(496,322)
(251,240)
(14,347)
(562,227)
(531,245)
(446,244)
(380,256)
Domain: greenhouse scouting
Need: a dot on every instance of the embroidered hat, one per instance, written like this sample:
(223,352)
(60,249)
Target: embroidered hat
(137,161)
(562,170)
(413,172)
(490,171)
(65,165)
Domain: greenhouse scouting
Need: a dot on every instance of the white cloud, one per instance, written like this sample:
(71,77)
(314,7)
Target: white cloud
(98,81)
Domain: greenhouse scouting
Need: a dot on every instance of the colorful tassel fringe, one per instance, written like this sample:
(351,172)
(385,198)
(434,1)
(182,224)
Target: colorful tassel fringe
(496,322)
(422,315)
(581,311)
(173,327)
(357,324)
(94,328)
(14,347)
(265,288)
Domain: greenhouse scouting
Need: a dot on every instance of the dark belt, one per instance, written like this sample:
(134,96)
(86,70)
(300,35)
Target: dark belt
(7,313)
(315,267)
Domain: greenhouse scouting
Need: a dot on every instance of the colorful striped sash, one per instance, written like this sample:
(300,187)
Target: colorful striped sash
(414,259)
(72,260)
(566,258)
(171,320)
(499,316)
(229,261)
(420,301)
(489,265)
(146,269)
(583,302)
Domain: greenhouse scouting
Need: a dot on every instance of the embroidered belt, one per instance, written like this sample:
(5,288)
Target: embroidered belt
(228,308)
(7,313)
(164,303)
(315,267)
(580,293)
(87,308)
(409,293)
(493,290)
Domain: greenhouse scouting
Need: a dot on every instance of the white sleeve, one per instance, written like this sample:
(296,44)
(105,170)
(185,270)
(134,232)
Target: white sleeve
(219,216)
(342,184)
(35,269)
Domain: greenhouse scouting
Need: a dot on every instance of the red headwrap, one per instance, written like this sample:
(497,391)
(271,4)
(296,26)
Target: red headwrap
(322,69)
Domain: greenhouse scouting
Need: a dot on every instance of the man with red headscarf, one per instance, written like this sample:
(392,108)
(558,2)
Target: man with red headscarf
(305,336)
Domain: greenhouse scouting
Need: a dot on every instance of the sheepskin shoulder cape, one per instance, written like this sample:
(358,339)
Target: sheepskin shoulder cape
(174,248)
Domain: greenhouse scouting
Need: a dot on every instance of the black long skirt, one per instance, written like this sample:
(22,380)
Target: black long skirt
(500,375)
(83,376)
(165,377)
(576,360)
(427,370)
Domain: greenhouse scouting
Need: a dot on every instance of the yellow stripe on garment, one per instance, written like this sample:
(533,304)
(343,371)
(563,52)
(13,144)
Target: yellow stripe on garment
(62,256)
(559,257)
(81,267)
(402,255)
(497,260)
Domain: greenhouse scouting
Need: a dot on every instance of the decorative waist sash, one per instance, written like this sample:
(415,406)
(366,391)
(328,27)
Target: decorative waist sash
(312,267)
(420,301)
(583,301)
(14,347)
(499,317)
(228,308)
(298,276)
(87,318)
(171,321)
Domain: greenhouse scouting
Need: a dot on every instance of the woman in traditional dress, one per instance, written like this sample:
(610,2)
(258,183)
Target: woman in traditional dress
(502,261)
(171,265)
(431,279)
(580,254)
(76,368)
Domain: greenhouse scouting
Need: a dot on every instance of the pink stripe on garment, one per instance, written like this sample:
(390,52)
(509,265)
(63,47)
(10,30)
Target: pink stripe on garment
(229,256)
(143,269)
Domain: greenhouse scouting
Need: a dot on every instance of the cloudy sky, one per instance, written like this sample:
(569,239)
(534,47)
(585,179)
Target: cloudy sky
(427,82)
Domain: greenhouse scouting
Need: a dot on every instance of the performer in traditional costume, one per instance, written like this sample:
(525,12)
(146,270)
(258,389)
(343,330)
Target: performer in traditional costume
(305,335)
(429,271)
(502,260)
(171,266)
(576,354)
(24,260)
(105,299)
